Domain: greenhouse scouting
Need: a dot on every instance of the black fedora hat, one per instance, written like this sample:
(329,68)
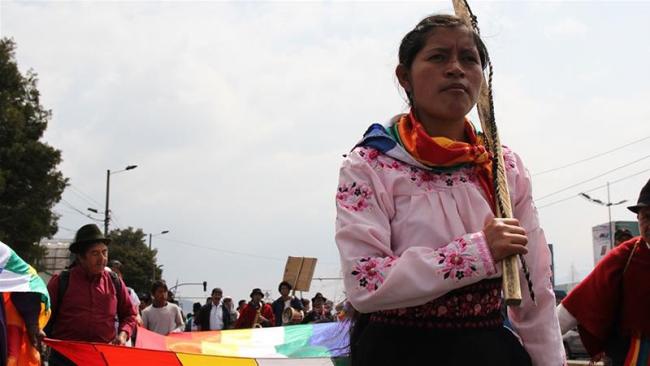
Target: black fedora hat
(644,199)
(257,291)
(87,234)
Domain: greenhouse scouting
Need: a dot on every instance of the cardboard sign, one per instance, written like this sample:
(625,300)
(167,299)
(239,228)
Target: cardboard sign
(299,272)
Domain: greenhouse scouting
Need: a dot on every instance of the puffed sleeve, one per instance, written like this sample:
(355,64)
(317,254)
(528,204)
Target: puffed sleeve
(536,323)
(375,277)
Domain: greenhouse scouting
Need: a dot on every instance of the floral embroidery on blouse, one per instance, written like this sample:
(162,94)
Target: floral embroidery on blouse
(429,180)
(354,197)
(371,271)
(426,179)
(378,160)
(456,260)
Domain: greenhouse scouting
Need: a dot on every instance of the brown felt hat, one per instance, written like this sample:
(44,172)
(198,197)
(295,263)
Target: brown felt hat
(87,234)
(257,291)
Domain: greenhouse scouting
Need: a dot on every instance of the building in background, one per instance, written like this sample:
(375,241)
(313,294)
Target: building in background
(603,236)
(57,257)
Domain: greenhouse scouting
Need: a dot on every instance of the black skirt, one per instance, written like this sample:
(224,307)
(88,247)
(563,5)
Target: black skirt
(384,344)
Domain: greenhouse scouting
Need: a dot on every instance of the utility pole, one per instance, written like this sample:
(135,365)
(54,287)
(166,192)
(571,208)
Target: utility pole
(153,269)
(106,214)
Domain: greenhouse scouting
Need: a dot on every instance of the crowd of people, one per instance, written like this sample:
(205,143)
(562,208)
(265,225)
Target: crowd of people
(91,302)
(164,316)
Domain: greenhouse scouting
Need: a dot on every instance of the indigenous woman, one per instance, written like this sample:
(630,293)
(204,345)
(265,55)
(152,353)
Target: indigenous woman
(419,242)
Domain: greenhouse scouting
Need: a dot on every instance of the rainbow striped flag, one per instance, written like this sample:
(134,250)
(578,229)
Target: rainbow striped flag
(18,276)
(294,345)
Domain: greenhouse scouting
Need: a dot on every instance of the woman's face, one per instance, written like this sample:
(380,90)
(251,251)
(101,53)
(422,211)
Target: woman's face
(445,77)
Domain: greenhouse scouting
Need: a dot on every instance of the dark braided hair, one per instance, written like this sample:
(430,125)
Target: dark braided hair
(414,40)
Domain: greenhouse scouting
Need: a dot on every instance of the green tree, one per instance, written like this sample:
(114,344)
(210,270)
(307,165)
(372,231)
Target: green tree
(128,246)
(30,184)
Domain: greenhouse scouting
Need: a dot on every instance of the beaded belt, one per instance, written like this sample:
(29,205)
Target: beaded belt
(470,307)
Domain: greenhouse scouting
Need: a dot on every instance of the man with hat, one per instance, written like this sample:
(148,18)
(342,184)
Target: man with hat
(256,313)
(611,306)
(86,299)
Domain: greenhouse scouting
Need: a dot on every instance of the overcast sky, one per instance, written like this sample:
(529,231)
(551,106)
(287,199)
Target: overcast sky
(237,115)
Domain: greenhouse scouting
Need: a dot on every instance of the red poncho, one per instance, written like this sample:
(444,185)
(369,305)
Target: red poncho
(608,295)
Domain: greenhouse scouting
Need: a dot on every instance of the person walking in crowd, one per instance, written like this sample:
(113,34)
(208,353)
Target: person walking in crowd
(611,305)
(145,300)
(622,235)
(306,305)
(86,299)
(240,305)
(162,316)
(194,319)
(416,228)
(24,311)
(230,306)
(256,313)
(116,266)
(285,301)
(214,316)
(319,313)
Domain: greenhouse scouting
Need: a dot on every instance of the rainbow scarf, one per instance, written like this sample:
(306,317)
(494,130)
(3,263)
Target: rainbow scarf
(639,352)
(442,152)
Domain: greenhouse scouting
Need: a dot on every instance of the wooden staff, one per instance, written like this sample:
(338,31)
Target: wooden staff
(485,106)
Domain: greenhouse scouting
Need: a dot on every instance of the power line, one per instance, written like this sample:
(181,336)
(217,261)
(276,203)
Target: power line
(591,157)
(65,228)
(113,218)
(593,189)
(235,252)
(223,250)
(84,196)
(69,205)
(592,178)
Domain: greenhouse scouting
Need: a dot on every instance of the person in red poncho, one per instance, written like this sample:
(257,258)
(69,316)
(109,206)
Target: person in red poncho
(611,306)
(256,313)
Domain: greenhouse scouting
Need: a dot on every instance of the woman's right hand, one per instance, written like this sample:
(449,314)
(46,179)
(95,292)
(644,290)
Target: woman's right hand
(505,237)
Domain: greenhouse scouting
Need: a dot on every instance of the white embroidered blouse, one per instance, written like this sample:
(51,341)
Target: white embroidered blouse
(407,235)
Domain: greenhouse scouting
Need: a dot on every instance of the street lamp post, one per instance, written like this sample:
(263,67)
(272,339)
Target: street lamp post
(107,216)
(609,205)
(153,271)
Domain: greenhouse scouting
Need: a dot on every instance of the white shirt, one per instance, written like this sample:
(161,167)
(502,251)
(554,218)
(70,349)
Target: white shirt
(216,317)
(163,320)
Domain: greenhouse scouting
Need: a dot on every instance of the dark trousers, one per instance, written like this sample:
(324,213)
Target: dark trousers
(381,344)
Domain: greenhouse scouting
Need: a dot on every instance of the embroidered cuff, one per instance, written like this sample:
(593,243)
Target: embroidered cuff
(478,239)
(372,271)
